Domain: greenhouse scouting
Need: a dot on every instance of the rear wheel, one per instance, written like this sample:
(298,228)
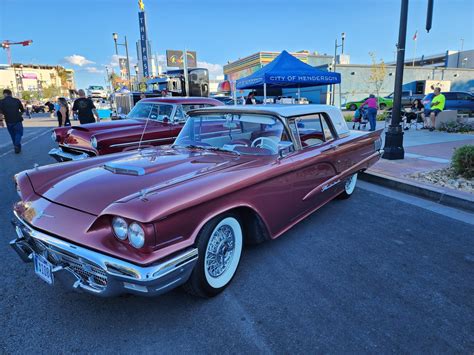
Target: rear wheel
(219,246)
(349,187)
(383,106)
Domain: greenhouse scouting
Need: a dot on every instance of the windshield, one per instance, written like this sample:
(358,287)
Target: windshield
(96,88)
(240,133)
(153,111)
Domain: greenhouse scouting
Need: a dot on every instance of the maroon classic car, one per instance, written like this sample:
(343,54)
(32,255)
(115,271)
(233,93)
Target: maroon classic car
(153,121)
(149,220)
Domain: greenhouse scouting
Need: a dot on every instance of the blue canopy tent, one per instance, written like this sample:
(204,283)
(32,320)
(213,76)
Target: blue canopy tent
(287,71)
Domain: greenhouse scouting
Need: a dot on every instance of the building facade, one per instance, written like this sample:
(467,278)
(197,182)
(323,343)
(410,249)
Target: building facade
(37,79)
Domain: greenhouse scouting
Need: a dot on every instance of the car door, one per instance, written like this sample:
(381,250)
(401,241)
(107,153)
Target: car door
(313,164)
(465,101)
(452,102)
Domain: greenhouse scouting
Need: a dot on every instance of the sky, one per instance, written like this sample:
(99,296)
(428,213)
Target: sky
(78,34)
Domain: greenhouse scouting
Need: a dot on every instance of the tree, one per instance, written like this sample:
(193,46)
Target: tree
(29,95)
(378,72)
(51,91)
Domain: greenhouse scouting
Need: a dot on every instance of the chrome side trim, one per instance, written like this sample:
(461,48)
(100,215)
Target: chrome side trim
(138,142)
(60,155)
(337,178)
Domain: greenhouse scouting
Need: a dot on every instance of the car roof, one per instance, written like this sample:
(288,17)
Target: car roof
(279,109)
(183,100)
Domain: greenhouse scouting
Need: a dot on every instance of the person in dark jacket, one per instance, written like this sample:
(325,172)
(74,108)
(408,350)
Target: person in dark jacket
(85,109)
(12,110)
(251,99)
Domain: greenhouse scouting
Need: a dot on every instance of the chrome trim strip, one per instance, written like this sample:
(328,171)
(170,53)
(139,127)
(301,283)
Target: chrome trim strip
(114,266)
(138,142)
(58,152)
(337,178)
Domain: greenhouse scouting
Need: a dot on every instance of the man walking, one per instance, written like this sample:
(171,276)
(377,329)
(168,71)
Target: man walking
(85,109)
(12,110)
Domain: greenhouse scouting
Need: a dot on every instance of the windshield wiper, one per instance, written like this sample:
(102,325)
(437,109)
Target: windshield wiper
(217,149)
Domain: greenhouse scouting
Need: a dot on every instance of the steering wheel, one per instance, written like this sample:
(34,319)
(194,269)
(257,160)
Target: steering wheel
(265,142)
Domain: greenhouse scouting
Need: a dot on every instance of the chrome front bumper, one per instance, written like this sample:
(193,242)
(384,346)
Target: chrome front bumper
(82,269)
(60,155)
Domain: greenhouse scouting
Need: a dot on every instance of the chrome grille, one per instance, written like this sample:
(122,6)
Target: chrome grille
(89,273)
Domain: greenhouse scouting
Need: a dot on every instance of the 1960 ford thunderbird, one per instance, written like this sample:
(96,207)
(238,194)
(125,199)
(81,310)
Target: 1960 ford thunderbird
(149,220)
(153,121)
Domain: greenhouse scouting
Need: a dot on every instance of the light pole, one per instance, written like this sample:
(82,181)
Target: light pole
(394,136)
(336,46)
(125,44)
(136,77)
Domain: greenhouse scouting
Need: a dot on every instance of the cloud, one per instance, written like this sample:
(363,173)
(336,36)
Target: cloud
(94,70)
(215,70)
(77,59)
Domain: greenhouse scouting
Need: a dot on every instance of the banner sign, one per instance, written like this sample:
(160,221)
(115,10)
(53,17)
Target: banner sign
(123,68)
(143,43)
(176,59)
(29,76)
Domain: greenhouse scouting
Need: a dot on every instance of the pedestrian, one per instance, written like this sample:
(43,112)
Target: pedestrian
(63,113)
(85,109)
(250,99)
(416,110)
(436,106)
(142,96)
(372,108)
(29,108)
(12,110)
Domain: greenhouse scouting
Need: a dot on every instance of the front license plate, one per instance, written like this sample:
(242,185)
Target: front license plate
(43,268)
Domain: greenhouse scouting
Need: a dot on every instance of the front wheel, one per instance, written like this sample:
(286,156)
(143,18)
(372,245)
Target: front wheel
(353,107)
(349,187)
(383,106)
(219,246)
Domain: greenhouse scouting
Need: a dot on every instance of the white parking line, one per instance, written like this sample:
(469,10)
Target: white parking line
(48,130)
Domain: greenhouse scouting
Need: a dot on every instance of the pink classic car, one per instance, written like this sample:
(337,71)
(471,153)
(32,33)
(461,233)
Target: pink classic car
(147,221)
(153,121)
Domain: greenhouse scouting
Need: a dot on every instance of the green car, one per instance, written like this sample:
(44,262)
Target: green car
(384,103)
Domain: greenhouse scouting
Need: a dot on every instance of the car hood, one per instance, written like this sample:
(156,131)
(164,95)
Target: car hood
(94,188)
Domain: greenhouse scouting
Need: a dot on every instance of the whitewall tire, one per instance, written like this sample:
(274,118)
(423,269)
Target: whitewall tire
(219,246)
(349,186)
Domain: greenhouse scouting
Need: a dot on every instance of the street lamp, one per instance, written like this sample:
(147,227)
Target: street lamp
(125,44)
(136,76)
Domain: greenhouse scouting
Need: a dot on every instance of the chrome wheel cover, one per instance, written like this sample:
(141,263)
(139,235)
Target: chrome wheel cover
(220,250)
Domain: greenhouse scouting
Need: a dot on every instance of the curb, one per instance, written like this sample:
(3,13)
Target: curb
(437,195)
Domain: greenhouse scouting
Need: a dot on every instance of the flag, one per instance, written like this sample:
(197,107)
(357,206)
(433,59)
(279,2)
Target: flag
(415,36)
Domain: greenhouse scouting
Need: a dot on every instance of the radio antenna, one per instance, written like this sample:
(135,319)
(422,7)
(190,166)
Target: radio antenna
(143,132)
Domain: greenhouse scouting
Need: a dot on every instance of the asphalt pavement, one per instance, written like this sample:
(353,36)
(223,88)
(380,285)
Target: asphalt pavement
(379,272)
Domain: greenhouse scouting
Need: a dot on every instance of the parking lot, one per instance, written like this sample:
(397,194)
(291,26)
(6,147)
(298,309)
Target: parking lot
(380,272)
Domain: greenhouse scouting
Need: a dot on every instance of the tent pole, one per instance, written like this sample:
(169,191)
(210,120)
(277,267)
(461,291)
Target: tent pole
(235,91)
(264,93)
(340,99)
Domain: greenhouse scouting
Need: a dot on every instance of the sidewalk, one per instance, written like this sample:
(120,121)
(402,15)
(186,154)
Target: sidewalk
(424,151)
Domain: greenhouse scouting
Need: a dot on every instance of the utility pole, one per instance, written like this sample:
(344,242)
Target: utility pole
(185,70)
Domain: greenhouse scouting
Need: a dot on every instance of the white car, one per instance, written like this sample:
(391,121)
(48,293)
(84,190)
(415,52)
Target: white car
(96,91)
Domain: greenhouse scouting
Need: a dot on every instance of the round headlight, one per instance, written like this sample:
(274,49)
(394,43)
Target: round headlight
(136,235)
(53,136)
(120,227)
(94,142)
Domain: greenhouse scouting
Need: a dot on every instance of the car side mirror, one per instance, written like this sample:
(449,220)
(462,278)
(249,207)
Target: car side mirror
(284,148)
(166,119)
